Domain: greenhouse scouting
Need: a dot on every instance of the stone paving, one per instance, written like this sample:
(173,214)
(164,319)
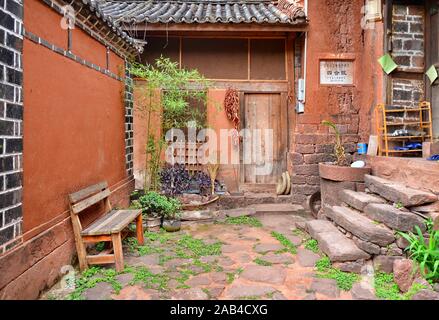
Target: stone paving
(213,261)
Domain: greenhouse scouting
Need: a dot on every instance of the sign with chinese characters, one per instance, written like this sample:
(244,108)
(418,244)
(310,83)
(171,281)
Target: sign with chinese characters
(336,72)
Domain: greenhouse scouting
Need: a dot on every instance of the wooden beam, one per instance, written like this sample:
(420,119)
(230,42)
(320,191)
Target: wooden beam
(218,27)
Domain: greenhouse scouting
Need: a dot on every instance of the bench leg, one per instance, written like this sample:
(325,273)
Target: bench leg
(118,252)
(139,230)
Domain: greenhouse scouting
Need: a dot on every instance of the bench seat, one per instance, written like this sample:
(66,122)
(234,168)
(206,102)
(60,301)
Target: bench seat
(113,222)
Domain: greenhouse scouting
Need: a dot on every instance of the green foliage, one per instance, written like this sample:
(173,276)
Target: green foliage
(176,84)
(386,288)
(149,279)
(100,246)
(339,151)
(426,253)
(313,245)
(244,220)
(144,250)
(92,276)
(345,280)
(398,205)
(285,242)
(190,247)
(231,276)
(154,204)
(262,262)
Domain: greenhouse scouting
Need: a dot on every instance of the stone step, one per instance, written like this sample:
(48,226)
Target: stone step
(393,218)
(249,199)
(398,193)
(359,200)
(360,226)
(333,243)
(278,208)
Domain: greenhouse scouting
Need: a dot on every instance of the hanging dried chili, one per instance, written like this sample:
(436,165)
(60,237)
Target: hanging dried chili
(231,106)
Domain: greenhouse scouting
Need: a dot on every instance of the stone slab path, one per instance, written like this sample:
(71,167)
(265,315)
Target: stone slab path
(213,261)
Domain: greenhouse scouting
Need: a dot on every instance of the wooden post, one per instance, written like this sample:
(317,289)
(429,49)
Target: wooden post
(118,253)
(139,230)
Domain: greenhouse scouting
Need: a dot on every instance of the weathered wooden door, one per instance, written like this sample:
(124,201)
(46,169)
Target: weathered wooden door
(265,112)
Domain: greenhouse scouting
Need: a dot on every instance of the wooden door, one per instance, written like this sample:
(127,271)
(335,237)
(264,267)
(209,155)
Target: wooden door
(266,111)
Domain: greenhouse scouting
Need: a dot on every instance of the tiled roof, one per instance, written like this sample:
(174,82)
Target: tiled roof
(202,11)
(95,7)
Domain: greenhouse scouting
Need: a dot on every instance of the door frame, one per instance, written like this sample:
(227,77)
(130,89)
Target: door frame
(284,114)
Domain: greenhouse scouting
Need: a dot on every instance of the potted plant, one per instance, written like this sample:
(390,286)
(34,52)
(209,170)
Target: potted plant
(338,175)
(171,212)
(152,206)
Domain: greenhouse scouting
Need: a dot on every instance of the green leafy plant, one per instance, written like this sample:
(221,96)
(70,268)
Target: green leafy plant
(386,288)
(426,253)
(313,245)
(398,205)
(167,94)
(262,262)
(285,242)
(339,151)
(345,280)
(244,220)
(154,204)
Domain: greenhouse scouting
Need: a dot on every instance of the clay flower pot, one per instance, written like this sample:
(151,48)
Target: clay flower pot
(152,224)
(171,225)
(333,172)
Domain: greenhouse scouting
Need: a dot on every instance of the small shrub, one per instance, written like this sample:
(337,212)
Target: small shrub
(426,253)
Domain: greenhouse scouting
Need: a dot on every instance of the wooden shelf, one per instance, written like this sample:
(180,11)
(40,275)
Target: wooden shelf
(388,143)
(404,151)
(407,123)
(406,110)
(407,137)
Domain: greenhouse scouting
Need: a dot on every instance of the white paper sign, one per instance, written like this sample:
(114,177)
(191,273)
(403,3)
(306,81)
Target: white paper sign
(336,72)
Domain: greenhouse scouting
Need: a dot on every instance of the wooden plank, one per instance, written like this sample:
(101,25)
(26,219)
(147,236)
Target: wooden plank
(113,222)
(85,193)
(95,239)
(118,252)
(84,204)
(101,259)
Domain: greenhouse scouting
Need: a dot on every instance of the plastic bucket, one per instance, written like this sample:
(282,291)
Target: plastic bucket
(362,148)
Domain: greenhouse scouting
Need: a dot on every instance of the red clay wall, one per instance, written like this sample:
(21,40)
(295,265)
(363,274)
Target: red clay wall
(335,32)
(74,124)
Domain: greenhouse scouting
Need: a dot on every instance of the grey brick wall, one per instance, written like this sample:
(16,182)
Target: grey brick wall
(408,25)
(11,116)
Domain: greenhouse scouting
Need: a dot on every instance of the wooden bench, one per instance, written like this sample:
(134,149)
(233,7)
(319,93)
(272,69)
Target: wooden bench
(108,228)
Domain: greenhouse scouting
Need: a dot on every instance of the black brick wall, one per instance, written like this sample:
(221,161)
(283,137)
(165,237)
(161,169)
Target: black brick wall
(129,132)
(11,116)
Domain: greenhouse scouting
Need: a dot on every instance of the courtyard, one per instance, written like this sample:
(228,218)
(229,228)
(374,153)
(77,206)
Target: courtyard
(241,257)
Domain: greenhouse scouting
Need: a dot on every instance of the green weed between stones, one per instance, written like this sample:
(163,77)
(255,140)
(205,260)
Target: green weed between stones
(189,247)
(92,276)
(313,245)
(244,220)
(149,279)
(345,280)
(386,288)
(262,262)
(231,276)
(285,242)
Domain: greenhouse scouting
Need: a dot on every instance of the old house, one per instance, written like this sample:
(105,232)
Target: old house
(272,53)
(66,122)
